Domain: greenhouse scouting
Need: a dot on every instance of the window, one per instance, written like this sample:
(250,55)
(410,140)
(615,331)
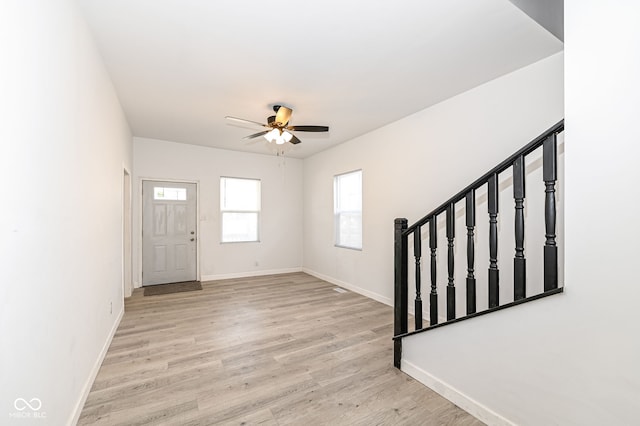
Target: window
(347,193)
(169,194)
(240,209)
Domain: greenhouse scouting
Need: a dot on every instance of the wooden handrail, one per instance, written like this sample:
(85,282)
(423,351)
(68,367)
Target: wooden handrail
(548,141)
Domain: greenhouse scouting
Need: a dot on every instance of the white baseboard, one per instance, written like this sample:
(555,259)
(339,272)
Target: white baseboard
(447,391)
(249,274)
(348,286)
(367,293)
(75,415)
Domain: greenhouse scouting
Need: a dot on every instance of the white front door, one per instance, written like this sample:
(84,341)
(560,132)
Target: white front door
(168,232)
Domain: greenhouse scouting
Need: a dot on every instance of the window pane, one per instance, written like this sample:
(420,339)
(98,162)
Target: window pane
(350,192)
(238,227)
(240,209)
(239,194)
(348,209)
(169,194)
(350,230)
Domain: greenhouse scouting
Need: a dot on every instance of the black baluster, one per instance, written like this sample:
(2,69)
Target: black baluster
(417,252)
(519,262)
(494,275)
(550,175)
(451,289)
(401,297)
(433,297)
(471,223)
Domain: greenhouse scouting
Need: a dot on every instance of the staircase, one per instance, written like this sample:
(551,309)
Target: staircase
(428,225)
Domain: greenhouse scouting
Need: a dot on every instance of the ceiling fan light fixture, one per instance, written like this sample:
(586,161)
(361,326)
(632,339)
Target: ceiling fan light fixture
(286,136)
(273,135)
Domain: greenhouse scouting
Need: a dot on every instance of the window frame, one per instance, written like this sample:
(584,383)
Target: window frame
(178,193)
(257,212)
(336,213)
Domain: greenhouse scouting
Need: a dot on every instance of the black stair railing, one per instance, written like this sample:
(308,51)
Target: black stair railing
(548,141)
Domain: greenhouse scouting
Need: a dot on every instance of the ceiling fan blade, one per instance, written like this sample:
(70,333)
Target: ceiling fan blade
(242,120)
(294,140)
(309,128)
(255,135)
(283,115)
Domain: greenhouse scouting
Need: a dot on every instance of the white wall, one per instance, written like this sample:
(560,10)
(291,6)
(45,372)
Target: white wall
(64,143)
(570,359)
(280,246)
(413,165)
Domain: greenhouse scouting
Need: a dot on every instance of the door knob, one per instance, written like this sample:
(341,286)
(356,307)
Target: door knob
(193,239)
(192,232)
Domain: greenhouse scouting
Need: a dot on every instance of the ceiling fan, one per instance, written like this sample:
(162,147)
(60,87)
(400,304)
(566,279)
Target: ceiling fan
(278,129)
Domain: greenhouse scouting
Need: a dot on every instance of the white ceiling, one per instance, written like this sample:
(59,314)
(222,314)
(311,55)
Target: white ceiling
(181,66)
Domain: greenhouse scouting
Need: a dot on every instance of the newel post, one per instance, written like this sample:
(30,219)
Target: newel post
(401,291)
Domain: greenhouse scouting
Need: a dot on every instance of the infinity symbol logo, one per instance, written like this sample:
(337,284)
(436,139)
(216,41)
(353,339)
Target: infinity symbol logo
(22,404)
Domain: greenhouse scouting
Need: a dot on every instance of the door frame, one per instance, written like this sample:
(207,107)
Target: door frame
(140,219)
(127,232)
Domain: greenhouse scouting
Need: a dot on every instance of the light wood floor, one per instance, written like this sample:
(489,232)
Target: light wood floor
(276,350)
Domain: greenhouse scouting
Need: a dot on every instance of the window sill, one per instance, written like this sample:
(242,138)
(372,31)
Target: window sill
(239,242)
(347,247)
